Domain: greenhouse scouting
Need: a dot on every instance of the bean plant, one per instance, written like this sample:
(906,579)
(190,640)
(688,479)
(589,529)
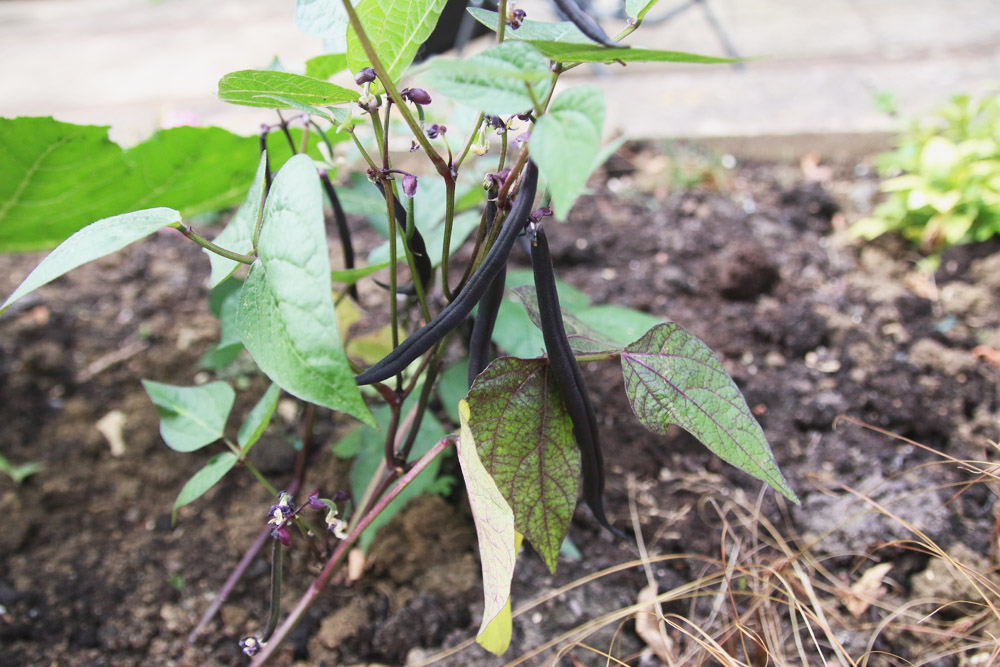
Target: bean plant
(503,170)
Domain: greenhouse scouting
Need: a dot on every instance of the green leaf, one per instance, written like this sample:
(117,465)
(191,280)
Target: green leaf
(582,338)
(524,436)
(396,30)
(238,234)
(637,9)
(250,86)
(56,178)
(325,66)
(514,331)
(321,18)
(93,241)
(258,419)
(565,143)
(497,538)
(368,445)
(453,386)
(351,276)
(286,316)
(18,473)
(191,417)
(617,323)
(204,479)
(542,31)
(290,103)
(225,303)
(565,52)
(496,81)
(672,377)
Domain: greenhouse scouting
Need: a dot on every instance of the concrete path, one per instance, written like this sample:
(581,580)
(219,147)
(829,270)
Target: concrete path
(133,64)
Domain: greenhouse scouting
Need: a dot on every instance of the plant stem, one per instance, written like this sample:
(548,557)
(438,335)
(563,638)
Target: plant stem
(468,142)
(501,20)
(260,478)
(390,88)
(211,247)
(321,580)
(449,218)
(277,556)
(301,461)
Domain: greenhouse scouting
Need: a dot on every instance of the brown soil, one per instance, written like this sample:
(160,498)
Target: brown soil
(750,260)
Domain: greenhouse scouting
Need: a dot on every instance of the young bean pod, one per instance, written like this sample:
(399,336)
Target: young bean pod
(455,312)
(587,25)
(342,229)
(416,244)
(569,380)
(489,307)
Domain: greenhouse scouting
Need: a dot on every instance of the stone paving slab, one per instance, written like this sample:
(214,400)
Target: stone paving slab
(816,69)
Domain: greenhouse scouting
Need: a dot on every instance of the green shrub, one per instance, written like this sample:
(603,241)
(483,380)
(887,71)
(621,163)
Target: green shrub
(943,178)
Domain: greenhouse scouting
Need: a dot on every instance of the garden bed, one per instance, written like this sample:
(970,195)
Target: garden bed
(753,260)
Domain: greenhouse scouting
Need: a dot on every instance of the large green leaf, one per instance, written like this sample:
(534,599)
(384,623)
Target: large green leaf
(274,89)
(396,30)
(524,436)
(191,417)
(56,177)
(564,52)
(238,234)
(95,240)
(204,479)
(497,539)
(286,316)
(542,31)
(566,141)
(672,377)
(258,419)
(499,80)
(224,303)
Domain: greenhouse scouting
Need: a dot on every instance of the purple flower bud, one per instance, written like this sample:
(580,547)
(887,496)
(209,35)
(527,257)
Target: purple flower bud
(414,146)
(409,185)
(416,95)
(340,496)
(434,131)
(282,535)
(365,75)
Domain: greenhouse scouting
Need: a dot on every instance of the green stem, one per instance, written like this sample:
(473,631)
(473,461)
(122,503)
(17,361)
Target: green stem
(260,478)
(361,149)
(501,20)
(390,88)
(599,356)
(449,219)
(469,142)
(211,247)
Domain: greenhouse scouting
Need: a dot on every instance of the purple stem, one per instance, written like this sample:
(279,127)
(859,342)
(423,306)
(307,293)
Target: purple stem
(319,583)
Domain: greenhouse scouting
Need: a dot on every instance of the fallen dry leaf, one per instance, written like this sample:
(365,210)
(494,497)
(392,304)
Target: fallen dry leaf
(110,426)
(650,629)
(866,590)
(987,353)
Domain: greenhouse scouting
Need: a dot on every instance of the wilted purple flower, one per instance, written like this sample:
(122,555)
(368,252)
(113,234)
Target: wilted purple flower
(365,75)
(282,535)
(409,185)
(515,17)
(282,510)
(314,501)
(250,646)
(340,496)
(416,95)
(540,213)
(414,146)
(435,130)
